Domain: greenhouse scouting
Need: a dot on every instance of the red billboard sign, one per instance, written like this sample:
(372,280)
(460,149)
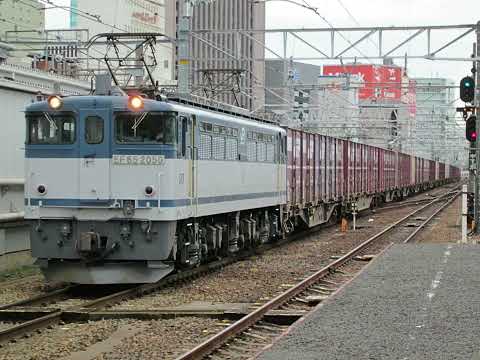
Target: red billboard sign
(381,82)
(391,82)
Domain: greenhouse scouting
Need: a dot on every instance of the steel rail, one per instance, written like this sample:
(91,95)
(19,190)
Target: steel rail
(19,280)
(443,207)
(243,324)
(57,315)
(40,299)
(415,202)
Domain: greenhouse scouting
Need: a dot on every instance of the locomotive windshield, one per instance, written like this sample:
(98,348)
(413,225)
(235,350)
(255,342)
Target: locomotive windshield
(147,127)
(51,128)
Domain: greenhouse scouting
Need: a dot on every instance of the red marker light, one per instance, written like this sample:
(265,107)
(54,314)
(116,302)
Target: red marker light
(474,136)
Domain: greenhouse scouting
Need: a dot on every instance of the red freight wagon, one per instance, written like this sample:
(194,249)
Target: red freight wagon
(418,170)
(381,169)
(454,172)
(293,166)
(431,170)
(358,168)
(320,170)
(314,168)
(389,169)
(361,169)
(348,154)
(365,169)
(339,178)
(441,171)
(376,167)
(426,170)
(308,141)
(299,167)
(331,178)
(371,170)
(404,170)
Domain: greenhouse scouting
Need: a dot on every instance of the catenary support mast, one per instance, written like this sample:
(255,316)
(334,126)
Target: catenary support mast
(477,153)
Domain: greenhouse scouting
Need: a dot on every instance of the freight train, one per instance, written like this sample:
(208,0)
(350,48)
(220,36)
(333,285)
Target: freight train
(127,189)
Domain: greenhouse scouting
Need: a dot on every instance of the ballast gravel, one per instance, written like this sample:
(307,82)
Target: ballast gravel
(446,227)
(6,325)
(59,341)
(22,289)
(164,339)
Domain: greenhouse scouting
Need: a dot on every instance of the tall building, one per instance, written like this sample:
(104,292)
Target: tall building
(20,21)
(437,134)
(128,16)
(213,73)
(18,16)
(241,81)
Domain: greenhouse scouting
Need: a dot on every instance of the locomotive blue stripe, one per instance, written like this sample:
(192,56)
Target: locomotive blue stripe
(153,203)
(169,152)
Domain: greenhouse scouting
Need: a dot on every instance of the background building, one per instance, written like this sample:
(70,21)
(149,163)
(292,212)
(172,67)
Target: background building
(387,109)
(20,21)
(241,82)
(437,134)
(291,92)
(127,16)
(20,16)
(213,73)
(338,110)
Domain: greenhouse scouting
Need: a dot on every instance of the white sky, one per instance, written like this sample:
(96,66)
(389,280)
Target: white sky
(281,14)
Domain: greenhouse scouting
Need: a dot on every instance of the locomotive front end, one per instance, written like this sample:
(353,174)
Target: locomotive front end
(100,179)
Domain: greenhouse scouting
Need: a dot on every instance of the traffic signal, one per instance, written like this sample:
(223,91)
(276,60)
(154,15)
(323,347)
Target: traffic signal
(470,129)
(467,89)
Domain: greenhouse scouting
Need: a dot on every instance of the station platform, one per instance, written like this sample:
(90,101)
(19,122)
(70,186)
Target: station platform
(416,301)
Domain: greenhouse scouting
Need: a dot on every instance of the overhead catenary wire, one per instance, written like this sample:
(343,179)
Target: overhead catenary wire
(355,20)
(315,10)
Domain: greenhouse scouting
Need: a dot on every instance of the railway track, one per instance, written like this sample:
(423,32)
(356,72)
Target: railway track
(245,337)
(52,313)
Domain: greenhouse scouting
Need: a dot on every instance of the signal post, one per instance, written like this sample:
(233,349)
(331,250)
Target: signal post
(477,143)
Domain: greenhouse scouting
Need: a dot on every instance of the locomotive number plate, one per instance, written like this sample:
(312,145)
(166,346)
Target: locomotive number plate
(151,160)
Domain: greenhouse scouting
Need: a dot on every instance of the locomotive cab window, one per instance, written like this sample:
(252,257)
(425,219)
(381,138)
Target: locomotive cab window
(146,128)
(94,130)
(50,128)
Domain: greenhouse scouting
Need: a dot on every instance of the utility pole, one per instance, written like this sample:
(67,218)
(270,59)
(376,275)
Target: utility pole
(183,43)
(477,152)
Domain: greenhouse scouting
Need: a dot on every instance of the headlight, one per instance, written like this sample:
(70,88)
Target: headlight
(55,102)
(135,102)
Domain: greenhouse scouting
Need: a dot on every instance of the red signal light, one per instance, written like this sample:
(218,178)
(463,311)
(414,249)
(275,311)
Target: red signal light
(471,129)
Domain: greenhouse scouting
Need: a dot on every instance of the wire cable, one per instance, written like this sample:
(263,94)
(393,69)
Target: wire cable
(315,10)
(355,20)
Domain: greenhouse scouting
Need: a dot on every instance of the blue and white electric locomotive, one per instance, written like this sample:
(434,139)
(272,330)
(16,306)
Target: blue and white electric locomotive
(124,189)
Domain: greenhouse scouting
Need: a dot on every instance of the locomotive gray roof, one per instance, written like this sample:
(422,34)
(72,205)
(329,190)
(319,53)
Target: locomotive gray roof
(120,103)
